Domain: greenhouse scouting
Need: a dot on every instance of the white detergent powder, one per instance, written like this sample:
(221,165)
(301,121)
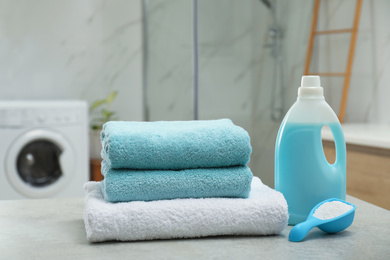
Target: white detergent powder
(331,209)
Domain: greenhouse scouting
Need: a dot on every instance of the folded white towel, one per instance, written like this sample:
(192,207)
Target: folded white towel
(263,213)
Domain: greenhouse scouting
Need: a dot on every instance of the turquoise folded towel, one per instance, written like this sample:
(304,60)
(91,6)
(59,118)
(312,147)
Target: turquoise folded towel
(174,144)
(124,185)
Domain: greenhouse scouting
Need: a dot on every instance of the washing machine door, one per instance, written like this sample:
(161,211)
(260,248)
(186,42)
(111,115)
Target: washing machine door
(39,163)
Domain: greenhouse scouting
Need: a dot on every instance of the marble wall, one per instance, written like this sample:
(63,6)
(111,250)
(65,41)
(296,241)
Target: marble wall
(74,49)
(237,65)
(168,47)
(369,88)
(241,78)
(84,49)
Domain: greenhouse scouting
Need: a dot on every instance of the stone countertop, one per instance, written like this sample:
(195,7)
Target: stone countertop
(372,135)
(54,229)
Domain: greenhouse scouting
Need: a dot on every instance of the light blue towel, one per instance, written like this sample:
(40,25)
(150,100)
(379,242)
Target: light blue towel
(146,185)
(175,144)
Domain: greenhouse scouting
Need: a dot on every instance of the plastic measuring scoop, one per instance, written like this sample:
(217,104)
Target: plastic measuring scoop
(329,225)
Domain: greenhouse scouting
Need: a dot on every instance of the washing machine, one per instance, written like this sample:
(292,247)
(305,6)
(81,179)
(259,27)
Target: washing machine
(43,149)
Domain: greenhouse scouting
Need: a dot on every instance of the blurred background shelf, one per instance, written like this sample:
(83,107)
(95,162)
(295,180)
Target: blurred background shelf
(368,161)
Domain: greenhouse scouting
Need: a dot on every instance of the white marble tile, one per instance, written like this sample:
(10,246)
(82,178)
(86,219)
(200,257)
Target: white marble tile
(169,63)
(368,91)
(236,73)
(52,49)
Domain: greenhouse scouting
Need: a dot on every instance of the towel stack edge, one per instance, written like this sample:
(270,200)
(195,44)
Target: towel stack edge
(264,212)
(175,145)
(165,180)
(148,185)
(146,161)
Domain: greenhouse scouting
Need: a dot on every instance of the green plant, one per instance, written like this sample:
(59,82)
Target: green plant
(100,111)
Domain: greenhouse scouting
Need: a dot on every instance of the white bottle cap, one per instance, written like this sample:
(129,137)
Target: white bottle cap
(310,86)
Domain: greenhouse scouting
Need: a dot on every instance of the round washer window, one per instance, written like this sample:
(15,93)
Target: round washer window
(38,163)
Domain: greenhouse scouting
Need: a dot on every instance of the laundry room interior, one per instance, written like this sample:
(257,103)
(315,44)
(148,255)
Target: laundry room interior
(194,129)
(140,60)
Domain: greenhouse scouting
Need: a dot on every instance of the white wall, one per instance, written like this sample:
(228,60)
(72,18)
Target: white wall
(369,89)
(236,70)
(73,49)
(234,77)
(169,63)
(84,49)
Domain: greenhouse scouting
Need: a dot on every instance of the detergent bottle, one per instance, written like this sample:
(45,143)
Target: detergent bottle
(302,172)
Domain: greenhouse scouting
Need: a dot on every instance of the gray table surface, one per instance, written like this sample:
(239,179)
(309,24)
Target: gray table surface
(54,229)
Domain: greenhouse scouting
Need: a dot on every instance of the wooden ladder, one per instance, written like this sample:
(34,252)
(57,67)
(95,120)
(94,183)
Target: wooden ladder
(347,73)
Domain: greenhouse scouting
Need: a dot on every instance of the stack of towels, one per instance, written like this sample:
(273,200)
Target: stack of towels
(178,179)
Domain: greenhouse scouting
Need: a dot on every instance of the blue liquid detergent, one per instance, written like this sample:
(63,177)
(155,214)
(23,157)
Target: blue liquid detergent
(302,172)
